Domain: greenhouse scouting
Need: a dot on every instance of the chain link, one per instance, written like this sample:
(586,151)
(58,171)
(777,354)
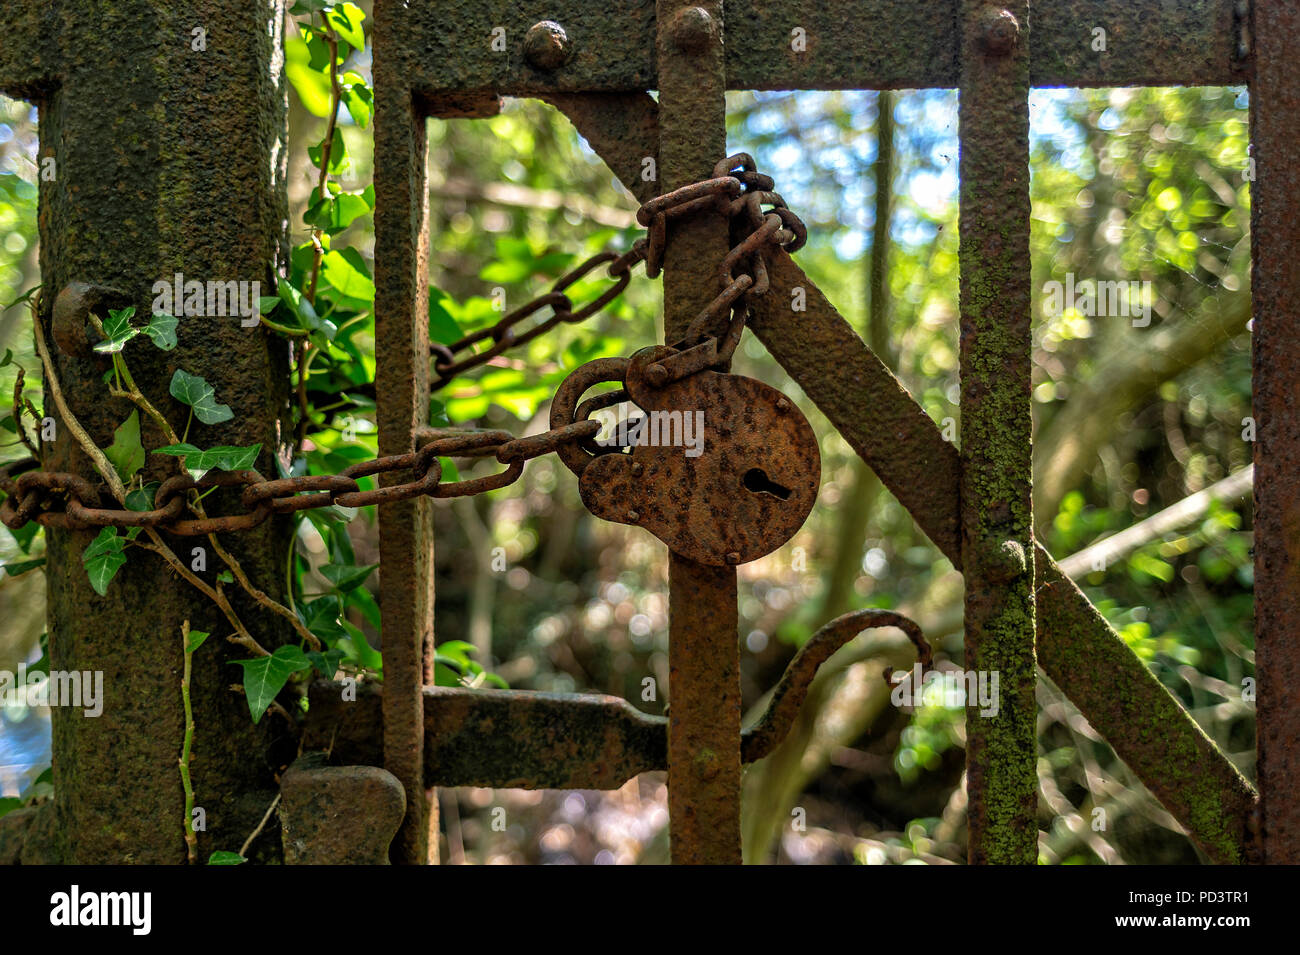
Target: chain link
(68,501)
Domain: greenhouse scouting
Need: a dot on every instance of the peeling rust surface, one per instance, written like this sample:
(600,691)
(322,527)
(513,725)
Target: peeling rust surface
(402,399)
(870,44)
(996,431)
(338,815)
(745,493)
(703,648)
(166,161)
(1275,287)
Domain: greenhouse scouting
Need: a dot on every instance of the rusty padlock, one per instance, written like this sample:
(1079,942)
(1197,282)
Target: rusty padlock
(723,468)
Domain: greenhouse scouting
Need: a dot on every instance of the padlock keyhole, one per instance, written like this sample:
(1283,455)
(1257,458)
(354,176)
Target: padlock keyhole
(756,480)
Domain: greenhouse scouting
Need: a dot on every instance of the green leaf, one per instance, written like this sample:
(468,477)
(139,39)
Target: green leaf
(321,617)
(327,663)
(141,499)
(103,558)
(224,457)
(196,640)
(126,452)
(226,577)
(345,577)
(346,20)
(264,677)
(358,98)
(25,535)
(347,274)
(118,330)
(19,567)
(9,356)
(311,83)
(222,857)
(442,326)
(338,153)
(199,395)
(162,330)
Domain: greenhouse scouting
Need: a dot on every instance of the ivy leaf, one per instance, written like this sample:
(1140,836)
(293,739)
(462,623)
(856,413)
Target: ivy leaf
(141,499)
(443,327)
(222,857)
(327,663)
(126,452)
(25,535)
(346,19)
(118,330)
(338,153)
(226,577)
(196,640)
(162,330)
(103,558)
(199,395)
(264,677)
(358,98)
(18,567)
(346,577)
(347,274)
(321,617)
(311,83)
(224,457)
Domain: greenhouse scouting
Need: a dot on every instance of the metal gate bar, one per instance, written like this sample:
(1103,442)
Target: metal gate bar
(703,649)
(1077,647)
(1275,291)
(996,433)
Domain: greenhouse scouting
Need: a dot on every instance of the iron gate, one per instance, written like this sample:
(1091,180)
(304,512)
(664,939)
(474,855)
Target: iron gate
(437,60)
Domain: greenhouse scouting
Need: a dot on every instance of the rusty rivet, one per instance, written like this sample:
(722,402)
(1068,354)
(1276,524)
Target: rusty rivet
(656,375)
(733,558)
(636,467)
(999,30)
(633,516)
(547,46)
(783,405)
(693,29)
(1006,562)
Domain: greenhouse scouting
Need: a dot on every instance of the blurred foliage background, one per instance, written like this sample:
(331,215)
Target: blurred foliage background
(1137,185)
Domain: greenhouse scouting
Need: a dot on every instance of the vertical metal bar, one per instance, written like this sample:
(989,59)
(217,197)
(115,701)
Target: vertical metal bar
(1275,283)
(402,397)
(703,651)
(996,512)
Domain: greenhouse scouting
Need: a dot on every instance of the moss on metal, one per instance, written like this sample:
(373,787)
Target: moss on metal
(167,159)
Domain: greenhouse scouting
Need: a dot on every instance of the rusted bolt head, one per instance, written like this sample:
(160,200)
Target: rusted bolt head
(733,559)
(1006,562)
(547,46)
(636,467)
(999,30)
(633,516)
(70,324)
(783,405)
(693,29)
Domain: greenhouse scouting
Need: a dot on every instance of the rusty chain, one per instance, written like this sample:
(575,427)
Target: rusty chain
(69,501)
(736,189)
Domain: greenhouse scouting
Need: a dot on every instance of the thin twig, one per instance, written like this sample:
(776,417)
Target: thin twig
(260,826)
(191,838)
(18,414)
